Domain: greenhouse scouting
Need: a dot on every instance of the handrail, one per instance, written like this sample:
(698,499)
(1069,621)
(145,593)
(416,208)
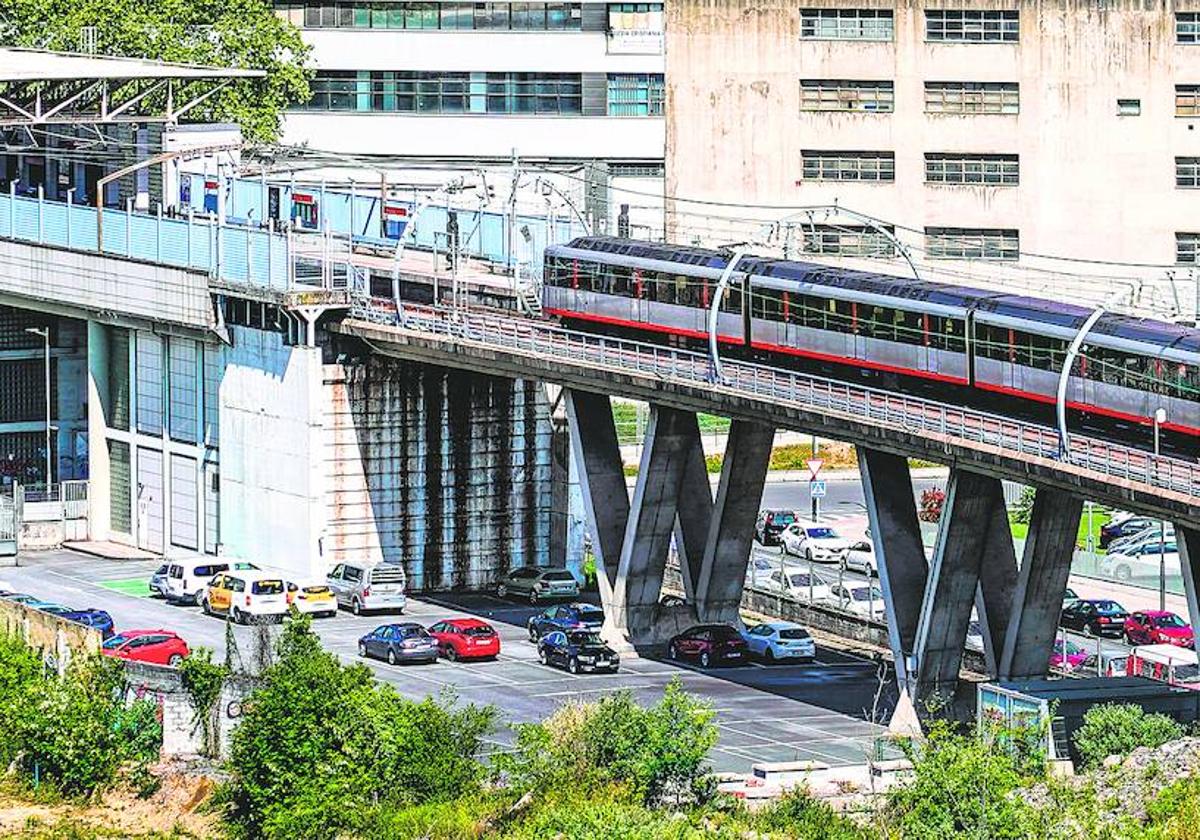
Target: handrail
(689,367)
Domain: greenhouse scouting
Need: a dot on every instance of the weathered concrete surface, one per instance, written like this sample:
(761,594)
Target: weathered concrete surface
(1041,581)
(864,431)
(602,480)
(694,513)
(56,639)
(997,580)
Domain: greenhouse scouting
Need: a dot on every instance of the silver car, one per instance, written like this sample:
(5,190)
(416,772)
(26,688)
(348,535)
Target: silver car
(537,584)
(158,581)
(364,587)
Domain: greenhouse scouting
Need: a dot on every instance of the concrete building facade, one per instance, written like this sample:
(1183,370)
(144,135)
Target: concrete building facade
(979,130)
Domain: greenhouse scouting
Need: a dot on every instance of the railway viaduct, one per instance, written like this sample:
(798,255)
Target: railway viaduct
(928,603)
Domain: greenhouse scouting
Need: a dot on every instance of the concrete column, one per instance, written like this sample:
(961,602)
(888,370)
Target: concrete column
(602,480)
(972,502)
(99,469)
(900,553)
(665,455)
(997,579)
(727,548)
(1188,540)
(1041,581)
(695,512)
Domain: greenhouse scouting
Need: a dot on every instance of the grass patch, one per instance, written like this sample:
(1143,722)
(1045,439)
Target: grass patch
(630,419)
(136,587)
(1020,530)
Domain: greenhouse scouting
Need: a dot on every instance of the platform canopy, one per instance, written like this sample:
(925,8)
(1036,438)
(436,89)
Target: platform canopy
(38,87)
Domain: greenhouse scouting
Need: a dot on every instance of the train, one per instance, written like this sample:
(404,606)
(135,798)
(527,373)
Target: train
(988,349)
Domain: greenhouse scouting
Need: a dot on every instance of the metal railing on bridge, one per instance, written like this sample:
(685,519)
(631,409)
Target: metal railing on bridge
(798,389)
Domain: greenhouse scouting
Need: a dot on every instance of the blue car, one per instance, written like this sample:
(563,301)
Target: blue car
(406,642)
(565,617)
(97,619)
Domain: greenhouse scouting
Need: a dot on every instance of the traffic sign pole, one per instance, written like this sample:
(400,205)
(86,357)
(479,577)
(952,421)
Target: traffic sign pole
(814,469)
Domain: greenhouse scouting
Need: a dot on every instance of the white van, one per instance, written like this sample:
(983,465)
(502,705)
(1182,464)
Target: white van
(368,586)
(186,578)
(246,596)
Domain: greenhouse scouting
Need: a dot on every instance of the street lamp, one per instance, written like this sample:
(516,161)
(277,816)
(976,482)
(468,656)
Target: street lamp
(44,332)
(1160,417)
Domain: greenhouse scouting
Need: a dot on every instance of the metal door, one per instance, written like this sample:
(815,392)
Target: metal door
(150,500)
(185,503)
(8,525)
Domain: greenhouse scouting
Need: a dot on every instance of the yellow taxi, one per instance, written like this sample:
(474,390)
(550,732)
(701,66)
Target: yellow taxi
(314,599)
(246,595)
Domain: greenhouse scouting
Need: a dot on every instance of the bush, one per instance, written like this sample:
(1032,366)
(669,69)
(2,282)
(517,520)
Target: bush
(1119,729)
(1023,509)
(799,816)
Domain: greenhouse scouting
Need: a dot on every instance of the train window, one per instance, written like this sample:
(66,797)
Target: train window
(732,300)
(952,335)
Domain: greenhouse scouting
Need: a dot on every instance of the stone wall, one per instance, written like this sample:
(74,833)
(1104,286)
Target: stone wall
(183,733)
(57,639)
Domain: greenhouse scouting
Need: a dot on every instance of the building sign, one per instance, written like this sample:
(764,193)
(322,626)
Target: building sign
(395,220)
(635,41)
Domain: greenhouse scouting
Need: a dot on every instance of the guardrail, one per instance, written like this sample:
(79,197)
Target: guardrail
(801,390)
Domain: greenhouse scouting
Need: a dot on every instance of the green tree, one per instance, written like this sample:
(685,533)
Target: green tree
(244,34)
(1119,729)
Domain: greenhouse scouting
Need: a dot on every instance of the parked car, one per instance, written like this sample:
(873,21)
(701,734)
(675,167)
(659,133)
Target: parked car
(798,585)
(366,587)
(711,644)
(775,640)
(158,580)
(1110,663)
(246,596)
(160,647)
(466,638)
(1069,596)
(564,617)
(815,543)
(538,584)
(187,579)
(577,650)
(771,523)
(974,640)
(1071,659)
(22,598)
(860,557)
(862,600)
(1147,536)
(406,642)
(1158,627)
(1094,617)
(1144,563)
(1123,526)
(312,599)
(98,619)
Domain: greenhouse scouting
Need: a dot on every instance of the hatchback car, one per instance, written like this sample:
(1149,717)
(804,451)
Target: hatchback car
(860,557)
(565,617)
(538,584)
(770,525)
(711,644)
(1143,562)
(776,640)
(815,543)
(245,597)
(1158,627)
(800,586)
(97,619)
(158,581)
(1070,660)
(312,599)
(399,643)
(159,647)
(858,599)
(577,650)
(1094,617)
(466,638)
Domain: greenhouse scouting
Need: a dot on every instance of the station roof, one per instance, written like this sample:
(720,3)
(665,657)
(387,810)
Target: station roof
(38,86)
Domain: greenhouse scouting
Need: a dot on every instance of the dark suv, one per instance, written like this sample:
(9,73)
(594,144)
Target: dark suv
(565,617)
(712,644)
(770,525)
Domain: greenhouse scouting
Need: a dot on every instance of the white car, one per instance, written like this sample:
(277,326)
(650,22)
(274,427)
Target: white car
(798,585)
(818,543)
(1142,563)
(1147,536)
(861,558)
(775,640)
(858,599)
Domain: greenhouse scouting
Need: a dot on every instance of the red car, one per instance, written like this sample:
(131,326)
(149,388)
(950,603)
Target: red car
(1158,627)
(159,647)
(1075,655)
(466,638)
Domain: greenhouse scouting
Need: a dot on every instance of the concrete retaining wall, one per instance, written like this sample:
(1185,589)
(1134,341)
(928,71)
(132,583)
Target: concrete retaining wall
(183,732)
(57,639)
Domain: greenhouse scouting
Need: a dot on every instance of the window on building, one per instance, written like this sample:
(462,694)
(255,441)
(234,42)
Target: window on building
(1129,107)
(951,243)
(842,95)
(1187,248)
(1187,171)
(328,14)
(846,24)
(848,241)
(972,25)
(635,17)
(849,166)
(636,170)
(408,92)
(972,98)
(1187,100)
(635,94)
(956,168)
(1187,27)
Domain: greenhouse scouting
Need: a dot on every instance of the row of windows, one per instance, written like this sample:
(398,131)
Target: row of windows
(940,168)
(943,25)
(1187,171)
(846,95)
(1187,248)
(848,241)
(487,16)
(952,243)
(438,92)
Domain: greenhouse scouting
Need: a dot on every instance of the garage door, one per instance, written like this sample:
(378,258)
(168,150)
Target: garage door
(150,499)
(184,503)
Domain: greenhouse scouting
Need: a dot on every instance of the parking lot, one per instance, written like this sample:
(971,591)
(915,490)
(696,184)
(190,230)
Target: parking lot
(818,711)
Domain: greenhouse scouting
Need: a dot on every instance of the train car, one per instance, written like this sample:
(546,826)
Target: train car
(949,342)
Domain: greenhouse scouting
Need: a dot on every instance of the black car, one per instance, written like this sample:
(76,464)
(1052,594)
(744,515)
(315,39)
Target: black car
(1094,617)
(1127,527)
(577,650)
(770,525)
(711,644)
(565,617)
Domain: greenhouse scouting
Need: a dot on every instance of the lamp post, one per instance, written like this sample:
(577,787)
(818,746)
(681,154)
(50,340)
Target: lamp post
(1160,417)
(44,332)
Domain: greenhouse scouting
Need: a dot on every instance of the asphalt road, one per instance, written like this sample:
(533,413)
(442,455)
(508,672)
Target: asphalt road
(818,711)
